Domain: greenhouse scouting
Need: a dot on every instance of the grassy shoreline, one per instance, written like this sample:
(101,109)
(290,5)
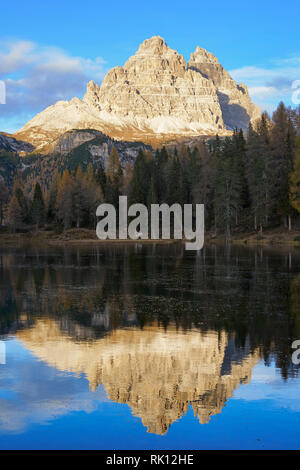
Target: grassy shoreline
(277,237)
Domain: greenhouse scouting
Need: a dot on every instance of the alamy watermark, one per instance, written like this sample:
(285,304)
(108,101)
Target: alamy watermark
(296,354)
(296,93)
(138,228)
(2,92)
(2,353)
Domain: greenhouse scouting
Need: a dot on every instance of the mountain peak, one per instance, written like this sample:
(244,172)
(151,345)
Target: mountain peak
(92,85)
(154,97)
(92,94)
(155,44)
(201,55)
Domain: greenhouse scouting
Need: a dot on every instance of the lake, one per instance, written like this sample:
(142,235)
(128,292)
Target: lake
(149,347)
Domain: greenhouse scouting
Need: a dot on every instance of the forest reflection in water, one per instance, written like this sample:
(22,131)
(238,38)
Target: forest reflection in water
(160,328)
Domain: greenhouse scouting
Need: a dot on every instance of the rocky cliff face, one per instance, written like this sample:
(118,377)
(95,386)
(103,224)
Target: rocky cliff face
(10,144)
(155,88)
(154,96)
(235,102)
(95,144)
(158,374)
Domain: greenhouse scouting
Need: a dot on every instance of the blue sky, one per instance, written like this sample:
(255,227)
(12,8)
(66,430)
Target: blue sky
(49,51)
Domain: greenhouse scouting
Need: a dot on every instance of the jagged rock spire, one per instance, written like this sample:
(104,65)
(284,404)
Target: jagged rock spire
(154,96)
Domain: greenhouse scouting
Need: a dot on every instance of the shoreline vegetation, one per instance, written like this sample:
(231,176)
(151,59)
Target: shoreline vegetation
(270,237)
(249,185)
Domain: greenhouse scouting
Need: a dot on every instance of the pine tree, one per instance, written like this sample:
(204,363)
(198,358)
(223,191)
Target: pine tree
(114,175)
(185,162)
(79,197)
(154,191)
(227,188)
(163,156)
(194,172)
(38,206)
(202,176)
(114,169)
(64,200)
(240,171)
(90,174)
(255,167)
(176,183)
(127,177)
(294,190)
(52,195)
(3,199)
(93,197)
(281,160)
(100,177)
(140,183)
(161,162)
(14,214)
(259,172)
(22,200)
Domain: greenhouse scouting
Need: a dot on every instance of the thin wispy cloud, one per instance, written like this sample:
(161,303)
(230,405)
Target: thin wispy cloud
(37,77)
(14,56)
(269,86)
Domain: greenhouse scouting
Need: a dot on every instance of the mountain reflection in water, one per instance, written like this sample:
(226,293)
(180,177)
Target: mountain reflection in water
(161,329)
(156,373)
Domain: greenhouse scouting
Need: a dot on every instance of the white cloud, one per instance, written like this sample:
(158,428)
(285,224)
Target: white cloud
(252,73)
(262,91)
(37,77)
(14,56)
(269,86)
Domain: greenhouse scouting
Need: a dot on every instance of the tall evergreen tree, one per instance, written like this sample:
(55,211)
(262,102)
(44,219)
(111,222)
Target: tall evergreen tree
(15,214)
(177,192)
(281,160)
(52,195)
(100,177)
(255,167)
(141,179)
(259,173)
(114,175)
(22,200)
(64,201)
(161,161)
(79,197)
(154,189)
(3,199)
(38,206)
(202,171)
(294,189)
(227,188)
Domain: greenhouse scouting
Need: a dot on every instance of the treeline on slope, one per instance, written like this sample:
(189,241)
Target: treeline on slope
(245,183)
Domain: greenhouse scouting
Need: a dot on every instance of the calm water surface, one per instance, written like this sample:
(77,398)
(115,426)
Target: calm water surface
(149,347)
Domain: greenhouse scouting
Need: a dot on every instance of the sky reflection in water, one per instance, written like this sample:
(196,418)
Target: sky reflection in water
(149,347)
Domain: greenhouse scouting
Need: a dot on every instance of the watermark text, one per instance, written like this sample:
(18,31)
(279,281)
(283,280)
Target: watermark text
(161,218)
(2,92)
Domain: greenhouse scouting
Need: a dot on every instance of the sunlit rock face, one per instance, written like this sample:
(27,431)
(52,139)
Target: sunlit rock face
(158,373)
(235,102)
(155,88)
(154,97)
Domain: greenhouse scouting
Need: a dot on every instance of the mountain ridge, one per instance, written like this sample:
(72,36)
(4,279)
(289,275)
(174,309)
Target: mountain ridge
(156,96)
